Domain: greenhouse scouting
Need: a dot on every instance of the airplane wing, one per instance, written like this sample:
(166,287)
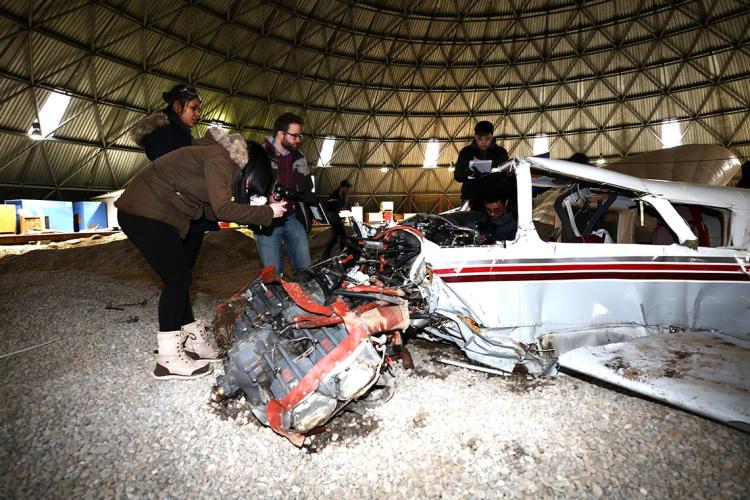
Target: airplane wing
(705,373)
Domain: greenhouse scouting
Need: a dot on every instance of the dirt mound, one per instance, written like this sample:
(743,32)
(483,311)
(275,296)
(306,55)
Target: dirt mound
(227,261)
(109,256)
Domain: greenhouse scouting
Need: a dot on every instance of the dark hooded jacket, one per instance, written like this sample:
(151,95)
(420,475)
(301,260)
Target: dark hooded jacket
(496,153)
(160,133)
(194,182)
(499,230)
(337,202)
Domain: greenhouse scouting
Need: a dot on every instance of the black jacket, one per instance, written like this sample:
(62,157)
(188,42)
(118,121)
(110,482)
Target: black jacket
(500,230)
(745,181)
(336,202)
(496,153)
(161,133)
(303,184)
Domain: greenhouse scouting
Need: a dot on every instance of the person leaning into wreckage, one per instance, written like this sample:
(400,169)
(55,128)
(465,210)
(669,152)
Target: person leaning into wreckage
(155,212)
(169,129)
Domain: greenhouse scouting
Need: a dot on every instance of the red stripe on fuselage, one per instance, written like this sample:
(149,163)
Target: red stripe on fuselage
(605,266)
(611,276)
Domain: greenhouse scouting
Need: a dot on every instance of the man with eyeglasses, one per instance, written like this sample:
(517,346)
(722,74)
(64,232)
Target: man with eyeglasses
(500,223)
(292,173)
(483,147)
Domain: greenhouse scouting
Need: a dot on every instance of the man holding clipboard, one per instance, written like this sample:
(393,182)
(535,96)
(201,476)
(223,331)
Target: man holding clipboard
(477,159)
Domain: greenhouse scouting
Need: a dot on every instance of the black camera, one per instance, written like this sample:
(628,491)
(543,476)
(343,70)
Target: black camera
(283,193)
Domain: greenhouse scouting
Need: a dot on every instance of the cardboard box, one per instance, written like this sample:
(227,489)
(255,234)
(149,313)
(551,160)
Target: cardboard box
(358,213)
(31,223)
(374,217)
(7,219)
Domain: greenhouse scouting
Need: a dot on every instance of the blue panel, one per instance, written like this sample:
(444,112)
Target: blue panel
(59,214)
(91,214)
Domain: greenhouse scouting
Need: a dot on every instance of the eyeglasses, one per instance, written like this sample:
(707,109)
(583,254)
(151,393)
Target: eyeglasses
(296,136)
(483,138)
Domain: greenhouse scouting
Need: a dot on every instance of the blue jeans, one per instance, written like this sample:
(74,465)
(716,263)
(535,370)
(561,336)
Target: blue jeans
(293,234)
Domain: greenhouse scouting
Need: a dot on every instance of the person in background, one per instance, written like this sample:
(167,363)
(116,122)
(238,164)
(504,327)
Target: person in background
(483,147)
(745,180)
(169,129)
(155,212)
(579,158)
(338,200)
(292,173)
(499,224)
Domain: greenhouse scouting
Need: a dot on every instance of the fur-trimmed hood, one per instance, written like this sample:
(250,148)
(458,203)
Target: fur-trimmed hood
(235,144)
(147,125)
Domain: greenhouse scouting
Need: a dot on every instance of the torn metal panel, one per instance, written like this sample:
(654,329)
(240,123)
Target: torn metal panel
(705,373)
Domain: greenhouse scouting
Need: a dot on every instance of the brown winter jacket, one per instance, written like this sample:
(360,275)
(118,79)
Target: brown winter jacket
(192,182)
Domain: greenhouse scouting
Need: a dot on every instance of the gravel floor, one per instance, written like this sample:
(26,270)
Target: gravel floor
(81,418)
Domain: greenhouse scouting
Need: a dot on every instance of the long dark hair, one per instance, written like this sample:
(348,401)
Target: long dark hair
(257,176)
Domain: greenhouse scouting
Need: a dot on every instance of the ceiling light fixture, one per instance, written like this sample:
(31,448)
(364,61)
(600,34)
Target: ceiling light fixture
(36,131)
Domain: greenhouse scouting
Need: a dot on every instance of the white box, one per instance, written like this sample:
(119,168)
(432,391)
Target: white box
(358,213)
(374,217)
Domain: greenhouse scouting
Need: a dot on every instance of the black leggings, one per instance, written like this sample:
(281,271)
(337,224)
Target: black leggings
(172,258)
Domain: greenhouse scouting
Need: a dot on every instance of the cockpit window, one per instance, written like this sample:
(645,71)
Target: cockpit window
(568,210)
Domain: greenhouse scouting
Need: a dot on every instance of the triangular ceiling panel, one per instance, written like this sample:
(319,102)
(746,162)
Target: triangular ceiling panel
(381,78)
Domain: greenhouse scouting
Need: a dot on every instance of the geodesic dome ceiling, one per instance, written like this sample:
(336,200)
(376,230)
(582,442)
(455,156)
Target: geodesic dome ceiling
(382,77)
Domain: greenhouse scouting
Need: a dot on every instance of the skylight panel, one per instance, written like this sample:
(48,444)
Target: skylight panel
(671,134)
(431,154)
(540,145)
(50,115)
(326,152)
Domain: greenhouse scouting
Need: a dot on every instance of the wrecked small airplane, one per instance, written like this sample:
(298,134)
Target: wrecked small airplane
(625,270)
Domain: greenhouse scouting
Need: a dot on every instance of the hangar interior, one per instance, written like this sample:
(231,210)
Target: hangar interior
(389,92)
(384,79)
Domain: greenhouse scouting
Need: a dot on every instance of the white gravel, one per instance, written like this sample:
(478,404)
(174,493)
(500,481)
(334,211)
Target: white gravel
(83,418)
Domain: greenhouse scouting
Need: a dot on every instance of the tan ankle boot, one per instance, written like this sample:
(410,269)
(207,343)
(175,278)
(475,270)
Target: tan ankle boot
(173,363)
(196,342)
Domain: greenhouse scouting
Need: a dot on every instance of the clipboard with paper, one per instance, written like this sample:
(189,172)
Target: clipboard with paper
(479,167)
(318,213)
